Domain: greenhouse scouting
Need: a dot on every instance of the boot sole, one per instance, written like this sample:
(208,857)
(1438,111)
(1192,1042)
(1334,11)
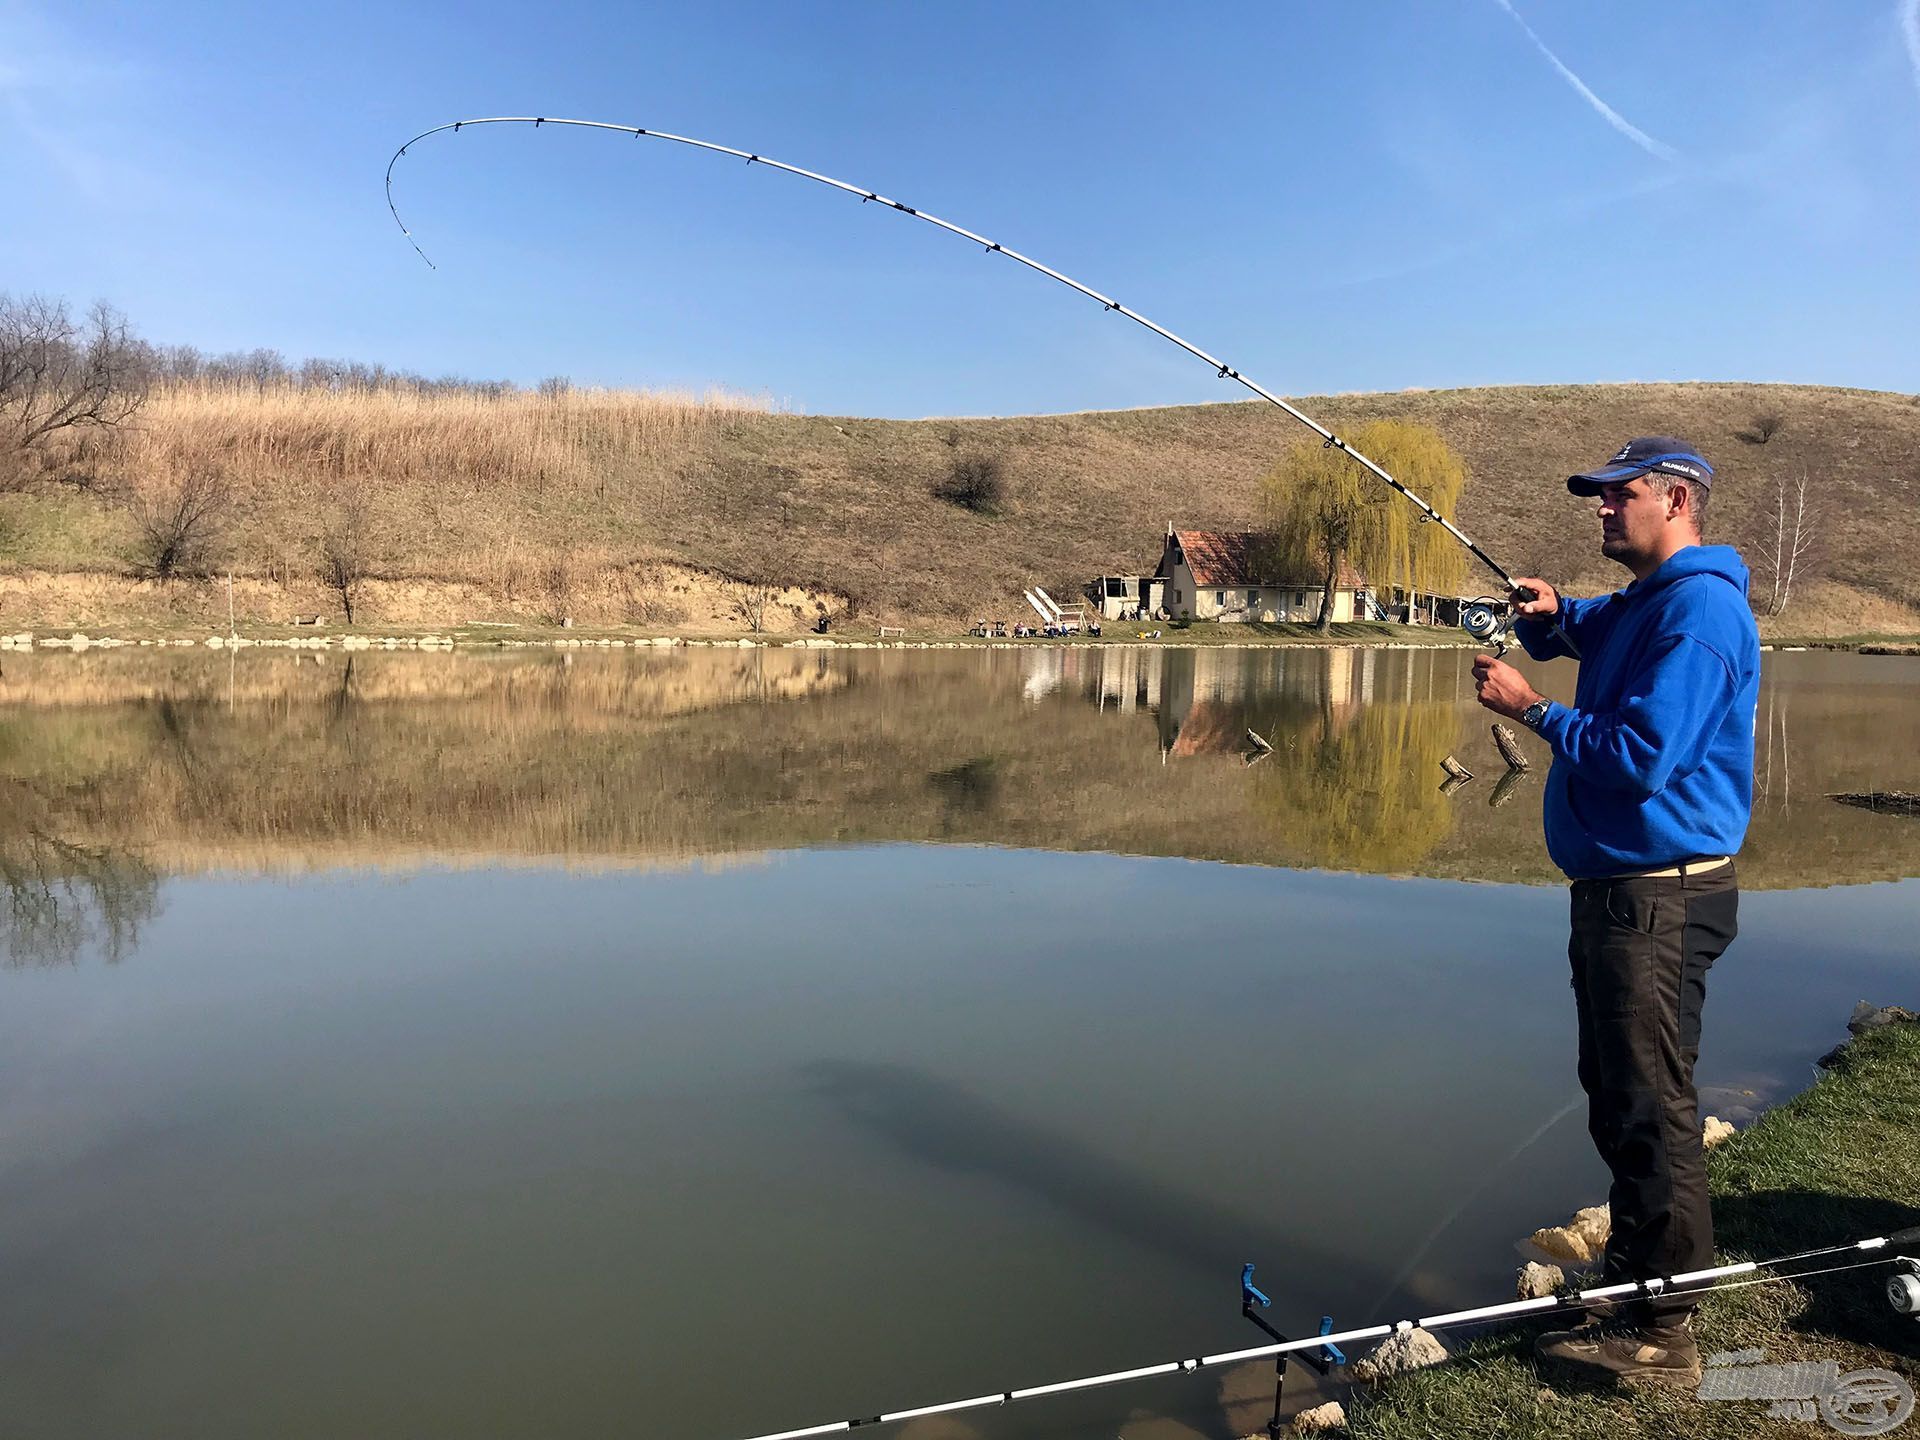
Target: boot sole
(1671,1379)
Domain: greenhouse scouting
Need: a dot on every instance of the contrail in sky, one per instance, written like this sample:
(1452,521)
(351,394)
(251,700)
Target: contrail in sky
(1910,22)
(1620,122)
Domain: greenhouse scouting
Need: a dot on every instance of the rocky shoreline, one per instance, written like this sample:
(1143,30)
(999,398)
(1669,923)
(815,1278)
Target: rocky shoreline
(80,641)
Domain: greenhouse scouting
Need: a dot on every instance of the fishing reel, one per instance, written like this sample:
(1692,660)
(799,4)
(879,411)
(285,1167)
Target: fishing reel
(1903,1289)
(1490,622)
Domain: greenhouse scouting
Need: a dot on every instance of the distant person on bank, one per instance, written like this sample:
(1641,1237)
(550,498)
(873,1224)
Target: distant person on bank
(1646,804)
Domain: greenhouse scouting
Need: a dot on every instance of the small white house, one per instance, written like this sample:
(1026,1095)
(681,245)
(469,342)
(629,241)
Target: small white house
(1129,597)
(1232,575)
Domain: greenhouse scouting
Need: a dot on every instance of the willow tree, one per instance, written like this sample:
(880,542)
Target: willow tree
(1326,511)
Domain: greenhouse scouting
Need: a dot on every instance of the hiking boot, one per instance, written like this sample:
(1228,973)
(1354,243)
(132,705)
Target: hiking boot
(1647,1353)
(1599,1312)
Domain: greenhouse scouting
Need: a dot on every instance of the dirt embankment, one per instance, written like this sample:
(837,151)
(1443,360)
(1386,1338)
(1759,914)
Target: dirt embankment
(655,595)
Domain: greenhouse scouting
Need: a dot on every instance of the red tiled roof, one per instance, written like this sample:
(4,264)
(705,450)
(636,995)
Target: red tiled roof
(1236,557)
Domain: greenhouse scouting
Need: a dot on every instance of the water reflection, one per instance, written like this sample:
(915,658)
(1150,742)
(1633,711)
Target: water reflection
(64,898)
(1357,790)
(277,763)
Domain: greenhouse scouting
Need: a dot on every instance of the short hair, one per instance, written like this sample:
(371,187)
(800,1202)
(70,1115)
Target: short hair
(1661,483)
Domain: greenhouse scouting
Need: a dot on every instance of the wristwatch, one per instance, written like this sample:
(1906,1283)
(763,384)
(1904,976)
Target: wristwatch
(1534,714)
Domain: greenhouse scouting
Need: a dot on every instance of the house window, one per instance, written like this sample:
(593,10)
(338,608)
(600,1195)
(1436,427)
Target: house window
(1253,597)
(1299,597)
(1219,597)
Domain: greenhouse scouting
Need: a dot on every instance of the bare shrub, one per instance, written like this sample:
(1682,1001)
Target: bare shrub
(643,600)
(179,522)
(974,481)
(1762,428)
(65,387)
(558,587)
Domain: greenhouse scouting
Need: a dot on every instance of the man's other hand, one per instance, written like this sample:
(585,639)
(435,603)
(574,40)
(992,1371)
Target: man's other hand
(1545,601)
(1501,688)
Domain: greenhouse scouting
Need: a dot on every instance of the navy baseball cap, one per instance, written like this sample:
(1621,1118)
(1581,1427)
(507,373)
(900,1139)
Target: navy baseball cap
(1649,452)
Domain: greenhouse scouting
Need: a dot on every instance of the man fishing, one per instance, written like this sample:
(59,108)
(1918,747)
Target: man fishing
(1646,804)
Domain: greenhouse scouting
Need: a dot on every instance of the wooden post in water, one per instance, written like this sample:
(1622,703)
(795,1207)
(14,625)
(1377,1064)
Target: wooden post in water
(1508,745)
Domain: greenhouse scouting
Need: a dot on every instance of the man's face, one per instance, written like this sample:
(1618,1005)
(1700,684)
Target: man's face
(1633,518)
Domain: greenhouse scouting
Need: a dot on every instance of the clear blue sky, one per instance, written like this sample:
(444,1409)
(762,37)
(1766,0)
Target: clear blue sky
(1332,197)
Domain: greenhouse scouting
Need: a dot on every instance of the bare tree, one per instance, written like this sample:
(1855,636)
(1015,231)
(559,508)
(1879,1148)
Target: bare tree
(65,386)
(345,557)
(1787,543)
(751,599)
(179,524)
(1763,428)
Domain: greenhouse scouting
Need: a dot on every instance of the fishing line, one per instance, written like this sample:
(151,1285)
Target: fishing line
(1487,1177)
(992,247)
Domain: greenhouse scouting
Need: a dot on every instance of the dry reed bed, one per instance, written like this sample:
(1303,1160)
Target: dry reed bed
(478,440)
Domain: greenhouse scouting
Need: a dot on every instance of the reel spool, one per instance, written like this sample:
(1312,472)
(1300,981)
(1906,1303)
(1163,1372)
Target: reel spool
(1903,1289)
(1484,620)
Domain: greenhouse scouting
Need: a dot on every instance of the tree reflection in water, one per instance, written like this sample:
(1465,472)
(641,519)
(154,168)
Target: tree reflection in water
(63,898)
(396,761)
(1357,788)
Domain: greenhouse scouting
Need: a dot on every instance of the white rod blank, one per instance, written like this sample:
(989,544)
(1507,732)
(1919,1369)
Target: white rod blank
(1507,1310)
(1224,370)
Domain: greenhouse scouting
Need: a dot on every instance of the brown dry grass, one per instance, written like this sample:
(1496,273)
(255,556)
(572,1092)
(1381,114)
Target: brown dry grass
(505,493)
(488,442)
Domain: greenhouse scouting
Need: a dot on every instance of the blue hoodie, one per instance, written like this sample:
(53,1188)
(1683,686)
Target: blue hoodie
(1653,762)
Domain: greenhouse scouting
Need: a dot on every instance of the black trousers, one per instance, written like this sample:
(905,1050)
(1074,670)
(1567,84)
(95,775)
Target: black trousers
(1640,952)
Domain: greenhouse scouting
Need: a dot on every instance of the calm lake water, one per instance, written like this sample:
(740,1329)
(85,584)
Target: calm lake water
(704,1043)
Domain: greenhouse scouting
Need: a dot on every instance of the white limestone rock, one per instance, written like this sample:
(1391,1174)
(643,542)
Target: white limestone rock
(1536,1281)
(1404,1350)
(1321,1418)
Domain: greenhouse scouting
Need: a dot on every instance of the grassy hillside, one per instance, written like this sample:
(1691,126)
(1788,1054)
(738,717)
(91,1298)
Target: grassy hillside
(575,502)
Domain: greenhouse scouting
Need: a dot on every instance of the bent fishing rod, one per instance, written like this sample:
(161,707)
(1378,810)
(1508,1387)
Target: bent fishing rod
(1480,619)
(1323,1353)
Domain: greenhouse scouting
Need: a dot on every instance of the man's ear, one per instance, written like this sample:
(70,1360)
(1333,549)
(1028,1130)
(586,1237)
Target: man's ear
(1680,500)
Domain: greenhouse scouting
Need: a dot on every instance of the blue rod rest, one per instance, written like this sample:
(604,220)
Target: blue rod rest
(1335,1355)
(1250,1294)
